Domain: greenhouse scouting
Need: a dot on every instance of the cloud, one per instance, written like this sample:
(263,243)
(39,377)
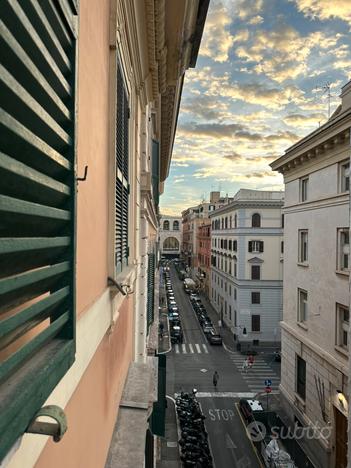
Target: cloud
(301,120)
(217,39)
(256,20)
(248,8)
(241,36)
(283,53)
(325,9)
(206,107)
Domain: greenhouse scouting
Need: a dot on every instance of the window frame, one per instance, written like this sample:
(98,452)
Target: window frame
(303,188)
(255,294)
(301,379)
(256,220)
(302,318)
(342,327)
(340,251)
(302,251)
(256,317)
(344,186)
(256,268)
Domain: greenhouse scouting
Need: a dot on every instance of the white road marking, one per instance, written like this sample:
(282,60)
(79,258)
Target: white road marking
(198,348)
(176,347)
(225,395)
(191,348)
(205,348)
(183,348)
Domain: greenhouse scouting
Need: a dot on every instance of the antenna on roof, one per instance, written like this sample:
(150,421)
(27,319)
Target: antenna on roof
(326,90)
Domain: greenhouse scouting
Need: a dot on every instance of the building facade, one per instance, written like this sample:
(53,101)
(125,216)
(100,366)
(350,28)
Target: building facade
(246,266)
(89,110)
(192,218)
(204,256)
(315,327)
(170,236)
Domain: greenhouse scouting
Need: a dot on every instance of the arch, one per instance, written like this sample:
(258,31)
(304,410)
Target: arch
(256,220)
(171,243)
(166,225)
(175,225)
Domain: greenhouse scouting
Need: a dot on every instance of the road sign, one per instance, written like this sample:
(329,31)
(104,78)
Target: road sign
(268,390)
(268,383)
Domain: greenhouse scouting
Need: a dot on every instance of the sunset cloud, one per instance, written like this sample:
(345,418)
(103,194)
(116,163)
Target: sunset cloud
(325,9)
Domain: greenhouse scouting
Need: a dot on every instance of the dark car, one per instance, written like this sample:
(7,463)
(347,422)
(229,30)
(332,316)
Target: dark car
(176,334)
(214,338)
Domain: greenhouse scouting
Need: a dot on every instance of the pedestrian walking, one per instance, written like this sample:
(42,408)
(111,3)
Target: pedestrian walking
(251,360)
(215,379)
(161,329)
(245,365)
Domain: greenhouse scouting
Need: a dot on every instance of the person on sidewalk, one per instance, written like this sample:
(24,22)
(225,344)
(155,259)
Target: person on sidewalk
(215,379)
(251,360)
(245,365)
(161,330)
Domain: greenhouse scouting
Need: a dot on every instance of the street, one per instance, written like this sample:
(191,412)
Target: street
(192,364)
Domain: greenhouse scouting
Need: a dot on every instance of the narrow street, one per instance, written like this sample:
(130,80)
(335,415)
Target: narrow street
(192,364)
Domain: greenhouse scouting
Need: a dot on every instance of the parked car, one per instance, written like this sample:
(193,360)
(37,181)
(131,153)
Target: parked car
(173,316)
(176,334)
(214,338)
(248,407)
(207,327)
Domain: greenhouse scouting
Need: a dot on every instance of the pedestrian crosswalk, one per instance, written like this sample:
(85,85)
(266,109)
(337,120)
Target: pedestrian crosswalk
(256,375)
(189,348)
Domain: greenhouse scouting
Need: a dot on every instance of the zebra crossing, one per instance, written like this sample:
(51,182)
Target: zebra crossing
(257,374)
(189,348)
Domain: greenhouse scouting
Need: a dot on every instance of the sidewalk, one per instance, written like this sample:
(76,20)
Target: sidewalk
(169,444)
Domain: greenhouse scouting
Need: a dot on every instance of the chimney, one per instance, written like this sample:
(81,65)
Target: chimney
(214,197)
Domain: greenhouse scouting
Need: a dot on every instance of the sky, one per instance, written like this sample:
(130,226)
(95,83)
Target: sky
(257,89)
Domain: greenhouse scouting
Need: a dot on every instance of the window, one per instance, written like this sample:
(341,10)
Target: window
(221,243)
(235,221)
(302,306)
(342,325)
(230,222)
(303,189)
(301,377)
(171,243)
(256,220)
(255,272)
(235,294)
(230,290)
(344,170)
(230,245)
(255,323)
(166,225)
(235,244)
(283,220)
(175,225)
(235,269)
(230,313)
(256,246)
(235,319)
(226,223)
(150,290)
(122,173)
(38,218)
(303,246)
(255,298)
(343,249)
(225,243)
(282,247)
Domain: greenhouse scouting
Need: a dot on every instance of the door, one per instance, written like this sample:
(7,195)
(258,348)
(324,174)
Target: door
(340,439)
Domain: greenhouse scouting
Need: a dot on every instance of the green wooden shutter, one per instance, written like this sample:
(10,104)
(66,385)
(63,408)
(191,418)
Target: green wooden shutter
(155,171)
(150,289)
(122,173)
(37,206)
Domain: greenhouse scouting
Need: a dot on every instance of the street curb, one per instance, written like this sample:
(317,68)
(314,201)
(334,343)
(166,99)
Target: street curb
(178,427)
(169,339)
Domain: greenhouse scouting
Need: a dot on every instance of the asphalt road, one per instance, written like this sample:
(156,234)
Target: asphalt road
(192,365)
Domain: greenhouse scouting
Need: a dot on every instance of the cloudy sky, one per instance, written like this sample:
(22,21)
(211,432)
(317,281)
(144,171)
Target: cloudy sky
(256,90)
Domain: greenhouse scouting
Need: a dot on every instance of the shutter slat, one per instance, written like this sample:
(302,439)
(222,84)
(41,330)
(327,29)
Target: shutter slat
(39,153)
(9,205)
(28,349)
(13,56)
(35,47)
(28,314)
(19,245)
(22,181)
(27,111)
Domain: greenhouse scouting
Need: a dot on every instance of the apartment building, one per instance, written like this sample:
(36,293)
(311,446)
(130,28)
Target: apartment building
(204,256)
(170,236)
(246,266)
(89,100)
(315,327)
(192,218)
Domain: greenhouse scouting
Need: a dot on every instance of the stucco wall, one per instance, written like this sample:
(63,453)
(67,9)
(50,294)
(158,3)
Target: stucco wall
(93,113)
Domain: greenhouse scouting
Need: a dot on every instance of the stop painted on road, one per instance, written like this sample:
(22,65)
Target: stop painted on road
(221,414)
